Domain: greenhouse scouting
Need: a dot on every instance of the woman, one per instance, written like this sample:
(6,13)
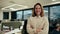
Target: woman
(38,23)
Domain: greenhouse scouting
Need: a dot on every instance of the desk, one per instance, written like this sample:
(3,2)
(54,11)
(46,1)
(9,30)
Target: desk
(16,31)
(14,24)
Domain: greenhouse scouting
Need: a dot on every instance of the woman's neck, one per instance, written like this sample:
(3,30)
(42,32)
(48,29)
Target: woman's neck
(38,15)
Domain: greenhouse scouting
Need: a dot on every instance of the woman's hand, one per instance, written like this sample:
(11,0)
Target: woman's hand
(31,26)
(38,29)
(35,33)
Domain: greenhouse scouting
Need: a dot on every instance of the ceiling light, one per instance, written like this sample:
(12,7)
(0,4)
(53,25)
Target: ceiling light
(53,0)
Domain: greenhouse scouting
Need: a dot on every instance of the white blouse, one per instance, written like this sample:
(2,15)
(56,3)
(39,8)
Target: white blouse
(38,22)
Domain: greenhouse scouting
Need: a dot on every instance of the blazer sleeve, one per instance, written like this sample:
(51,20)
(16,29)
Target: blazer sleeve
(29,29)
(46,26)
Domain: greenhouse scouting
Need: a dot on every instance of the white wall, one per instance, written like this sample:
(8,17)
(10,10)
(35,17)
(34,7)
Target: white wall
(1,14)
(9,15)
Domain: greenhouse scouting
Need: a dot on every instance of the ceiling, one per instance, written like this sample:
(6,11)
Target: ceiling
(23,3)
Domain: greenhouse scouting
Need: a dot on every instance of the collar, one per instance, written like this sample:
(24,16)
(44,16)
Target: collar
(38,16)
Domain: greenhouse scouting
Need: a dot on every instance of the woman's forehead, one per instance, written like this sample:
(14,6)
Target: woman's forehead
(37,6)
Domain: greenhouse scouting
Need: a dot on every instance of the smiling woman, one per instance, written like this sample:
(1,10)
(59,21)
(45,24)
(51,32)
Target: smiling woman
(38,23)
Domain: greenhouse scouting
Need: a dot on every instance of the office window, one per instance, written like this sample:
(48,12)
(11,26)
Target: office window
(13,15)
(46,11)
(54,12)
(5,15)
(27,14)
(19,15)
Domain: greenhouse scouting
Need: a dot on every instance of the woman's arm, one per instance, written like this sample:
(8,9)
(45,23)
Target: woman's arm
(43,31)
(30,28)
(46,26)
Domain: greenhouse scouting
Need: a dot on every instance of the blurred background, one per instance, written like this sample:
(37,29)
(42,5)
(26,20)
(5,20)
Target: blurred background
(18,11)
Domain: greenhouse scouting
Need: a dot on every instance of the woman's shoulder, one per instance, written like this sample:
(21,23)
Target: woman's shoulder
(30,17)
(45,17)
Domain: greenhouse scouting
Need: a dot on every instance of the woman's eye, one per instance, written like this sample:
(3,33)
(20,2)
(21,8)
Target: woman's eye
(35,8)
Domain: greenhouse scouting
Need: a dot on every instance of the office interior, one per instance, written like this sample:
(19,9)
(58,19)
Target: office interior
(16,12)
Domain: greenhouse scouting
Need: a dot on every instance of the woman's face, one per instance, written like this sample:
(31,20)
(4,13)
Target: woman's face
(38,10)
